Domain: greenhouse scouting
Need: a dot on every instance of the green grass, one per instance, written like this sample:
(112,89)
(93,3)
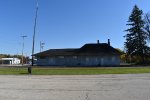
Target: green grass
(13,71)
(74,71)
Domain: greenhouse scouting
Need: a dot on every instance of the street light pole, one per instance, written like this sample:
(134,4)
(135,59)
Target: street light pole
(23,46)
(36,13)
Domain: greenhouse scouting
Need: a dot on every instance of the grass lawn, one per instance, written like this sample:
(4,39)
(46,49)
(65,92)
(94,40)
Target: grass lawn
(75,71)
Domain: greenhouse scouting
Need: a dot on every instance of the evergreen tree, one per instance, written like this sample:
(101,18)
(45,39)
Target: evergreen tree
(147,25)
(136,36)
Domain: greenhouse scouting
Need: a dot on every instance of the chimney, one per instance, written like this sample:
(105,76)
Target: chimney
(97,41)
(109,42)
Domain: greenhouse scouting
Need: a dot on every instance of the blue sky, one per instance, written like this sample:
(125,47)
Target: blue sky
(64,23)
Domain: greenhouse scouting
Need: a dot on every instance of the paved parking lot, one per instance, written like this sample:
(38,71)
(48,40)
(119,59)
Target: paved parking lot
(76,87)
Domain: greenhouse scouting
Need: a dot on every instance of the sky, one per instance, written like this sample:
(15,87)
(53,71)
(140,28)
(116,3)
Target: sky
(64,23)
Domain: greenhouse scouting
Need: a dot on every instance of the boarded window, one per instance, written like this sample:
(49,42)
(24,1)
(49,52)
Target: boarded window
(74,57)
(43,57)
(113,58)
(51,59)
(96,59)
(61,57)
(87,59)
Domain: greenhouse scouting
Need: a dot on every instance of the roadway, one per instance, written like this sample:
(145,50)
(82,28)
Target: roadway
(75,87)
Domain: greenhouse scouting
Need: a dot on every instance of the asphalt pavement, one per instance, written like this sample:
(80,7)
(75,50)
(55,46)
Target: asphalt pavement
(75,87)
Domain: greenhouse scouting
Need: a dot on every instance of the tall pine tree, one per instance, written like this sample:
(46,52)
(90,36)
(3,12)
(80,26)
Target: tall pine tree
(136,36)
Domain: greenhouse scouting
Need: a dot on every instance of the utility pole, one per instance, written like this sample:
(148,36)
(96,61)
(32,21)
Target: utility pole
(36,13)
(23,46)
(41,46)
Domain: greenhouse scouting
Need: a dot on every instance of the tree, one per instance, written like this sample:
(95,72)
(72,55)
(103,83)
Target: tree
(147,24)
(136,36)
